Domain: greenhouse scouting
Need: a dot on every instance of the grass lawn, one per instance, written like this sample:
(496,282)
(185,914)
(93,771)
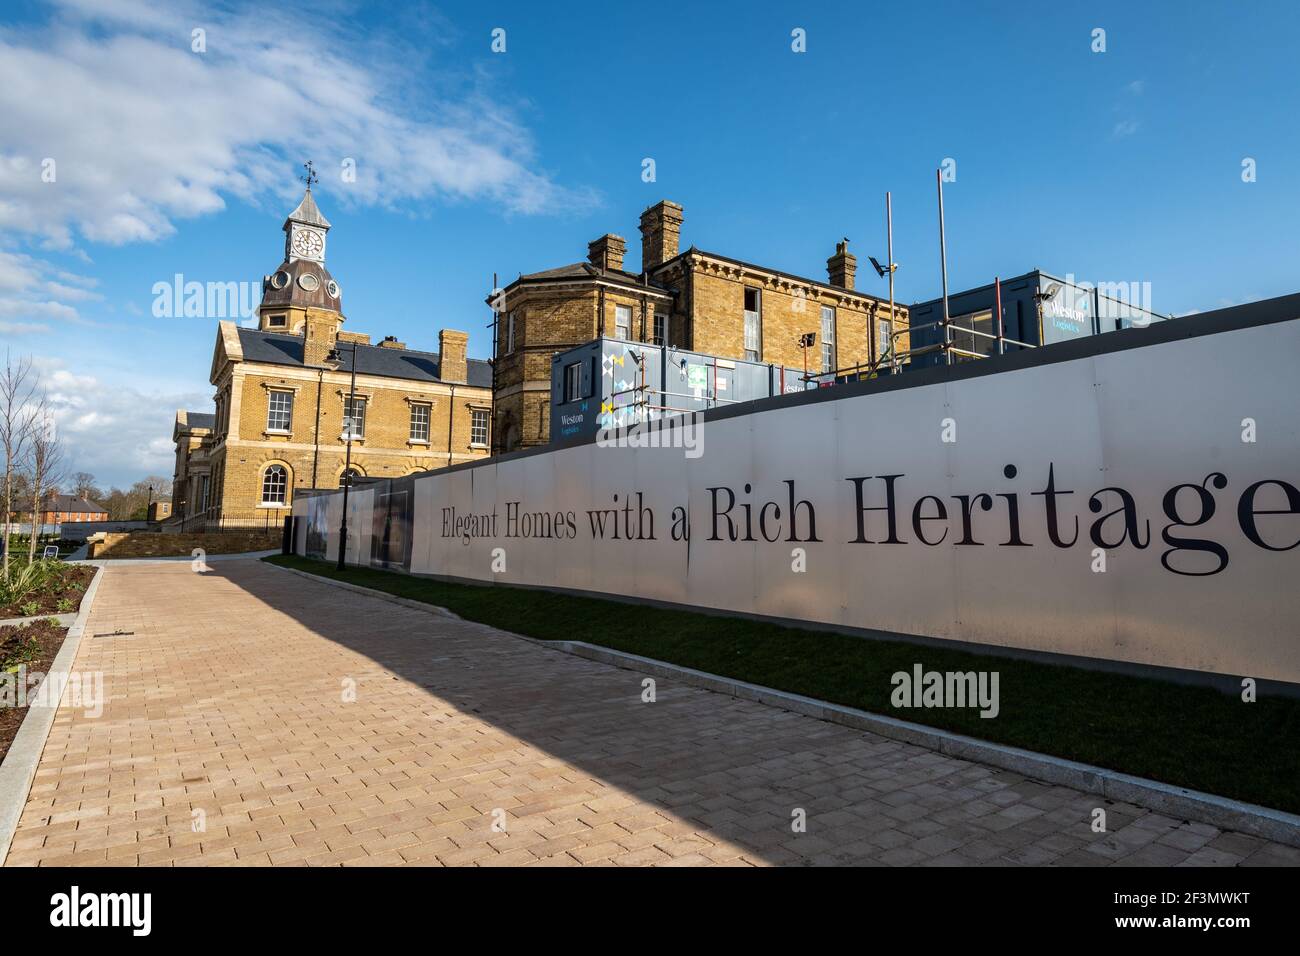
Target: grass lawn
(1192,737)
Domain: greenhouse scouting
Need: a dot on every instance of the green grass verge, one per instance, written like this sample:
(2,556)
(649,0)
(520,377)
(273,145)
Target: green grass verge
(1189,736)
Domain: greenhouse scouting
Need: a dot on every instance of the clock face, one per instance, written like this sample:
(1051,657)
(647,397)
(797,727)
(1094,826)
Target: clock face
(308,243)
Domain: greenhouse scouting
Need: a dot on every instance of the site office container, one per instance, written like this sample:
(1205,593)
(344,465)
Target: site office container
(1037,309)
(612,383)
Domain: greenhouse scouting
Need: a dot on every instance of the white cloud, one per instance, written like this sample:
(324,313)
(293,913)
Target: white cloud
(23,328)
(1126,128)
(113,430)
(32,289)
(144,132)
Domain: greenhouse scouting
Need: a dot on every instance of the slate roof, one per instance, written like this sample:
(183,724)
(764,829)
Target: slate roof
(275,348)
(71,503)
(307,212)
(200,419)
(585,270)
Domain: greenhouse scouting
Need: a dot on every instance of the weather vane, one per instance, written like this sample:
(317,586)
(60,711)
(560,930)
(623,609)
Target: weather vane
(310,176)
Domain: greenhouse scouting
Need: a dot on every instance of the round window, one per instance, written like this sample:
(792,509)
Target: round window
(309,282)
(280,279)
(333,289)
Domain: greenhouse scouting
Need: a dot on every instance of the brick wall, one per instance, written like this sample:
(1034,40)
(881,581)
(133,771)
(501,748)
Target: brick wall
(149,544)
(788,309)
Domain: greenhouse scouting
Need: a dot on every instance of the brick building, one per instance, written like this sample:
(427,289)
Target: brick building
(282,397)
(63,509)
(696,300)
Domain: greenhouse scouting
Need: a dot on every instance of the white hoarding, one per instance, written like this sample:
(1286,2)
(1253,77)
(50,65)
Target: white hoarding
(1139,505)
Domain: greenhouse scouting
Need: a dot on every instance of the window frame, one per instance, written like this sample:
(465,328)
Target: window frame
(267,482)
(883,346)
(348,403)
(830,346)
(475,416)
(271,395)
(427,409)
(624,331)
(571,384)
(754,354)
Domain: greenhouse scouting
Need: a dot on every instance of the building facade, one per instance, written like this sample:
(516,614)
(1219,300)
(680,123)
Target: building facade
(284,405)
(65,509)
(696,300)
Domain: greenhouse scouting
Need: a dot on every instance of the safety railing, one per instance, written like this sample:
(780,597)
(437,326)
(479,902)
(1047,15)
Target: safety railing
(894,359)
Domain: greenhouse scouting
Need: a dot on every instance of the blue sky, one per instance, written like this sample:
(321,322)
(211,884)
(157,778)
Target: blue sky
(1121,166)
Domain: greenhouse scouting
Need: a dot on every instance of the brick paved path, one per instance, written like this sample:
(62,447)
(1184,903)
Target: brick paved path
(228,699)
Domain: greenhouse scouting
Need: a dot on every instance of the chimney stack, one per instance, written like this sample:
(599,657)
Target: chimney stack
(607,252)
(453,363)
(320,331)
(661,231)
(842,266)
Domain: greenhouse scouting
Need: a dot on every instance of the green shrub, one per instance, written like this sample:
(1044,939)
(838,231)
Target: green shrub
(17,649)
(26,579)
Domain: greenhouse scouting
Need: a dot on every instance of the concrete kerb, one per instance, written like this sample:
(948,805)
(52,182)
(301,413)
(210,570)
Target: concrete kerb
(176,558)
(20,763)
(1173,801)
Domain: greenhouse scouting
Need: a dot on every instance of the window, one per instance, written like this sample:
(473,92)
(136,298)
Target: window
(510,332)
(962,329)
(828,338)
(279,411)
(478,426)
(276,321)
(573,381)
(354,417)
(622,321)
(420,423)
(661,328)
(753,325)
(884,338)
(275,481)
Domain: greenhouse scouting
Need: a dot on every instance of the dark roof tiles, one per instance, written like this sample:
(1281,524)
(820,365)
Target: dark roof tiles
(274,348)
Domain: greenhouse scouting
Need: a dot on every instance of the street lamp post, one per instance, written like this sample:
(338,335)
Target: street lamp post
(334,360)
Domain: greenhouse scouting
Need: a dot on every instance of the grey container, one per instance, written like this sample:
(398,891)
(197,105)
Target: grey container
(1037,309)
(609,383)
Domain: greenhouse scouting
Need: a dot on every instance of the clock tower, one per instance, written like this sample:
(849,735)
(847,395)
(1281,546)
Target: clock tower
(304,231)
(301,297)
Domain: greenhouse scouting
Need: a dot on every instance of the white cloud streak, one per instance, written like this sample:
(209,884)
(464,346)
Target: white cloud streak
(143,131)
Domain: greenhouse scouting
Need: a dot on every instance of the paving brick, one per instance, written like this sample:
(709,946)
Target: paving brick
(237,674)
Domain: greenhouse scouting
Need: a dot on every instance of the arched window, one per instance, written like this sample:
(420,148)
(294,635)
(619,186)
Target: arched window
(349,476)
(275,481)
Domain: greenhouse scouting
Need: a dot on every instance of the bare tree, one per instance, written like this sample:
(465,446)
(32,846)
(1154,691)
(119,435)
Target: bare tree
(46,466)
(17,385)
(83,486)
